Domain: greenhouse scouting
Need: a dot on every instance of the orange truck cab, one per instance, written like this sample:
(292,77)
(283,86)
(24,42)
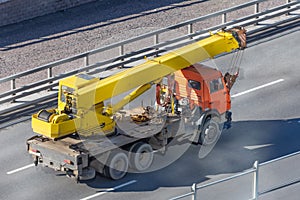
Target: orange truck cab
(204,88)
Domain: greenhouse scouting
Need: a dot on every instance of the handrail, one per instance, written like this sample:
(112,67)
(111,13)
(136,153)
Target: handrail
(123,58)
(108,47)
(254,170)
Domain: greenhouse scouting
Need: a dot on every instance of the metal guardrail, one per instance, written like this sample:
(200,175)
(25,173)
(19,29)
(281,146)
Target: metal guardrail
(254,170)
(126,58)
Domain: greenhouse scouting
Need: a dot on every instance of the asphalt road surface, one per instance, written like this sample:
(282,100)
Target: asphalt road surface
(266,125)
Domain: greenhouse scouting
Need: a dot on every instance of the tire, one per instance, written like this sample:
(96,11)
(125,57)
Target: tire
(140,156)
(210,133)
(116,166)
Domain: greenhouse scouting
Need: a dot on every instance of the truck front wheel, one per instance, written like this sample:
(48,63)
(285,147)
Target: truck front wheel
(141,156)
(210,133)
(116,166)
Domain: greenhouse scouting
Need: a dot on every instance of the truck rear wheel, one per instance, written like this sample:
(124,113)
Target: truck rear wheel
(141,156)
(210,132)
(116,166)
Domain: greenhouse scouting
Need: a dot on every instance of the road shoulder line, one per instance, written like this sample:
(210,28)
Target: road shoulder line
(20,169)
(109,190)
(257,88)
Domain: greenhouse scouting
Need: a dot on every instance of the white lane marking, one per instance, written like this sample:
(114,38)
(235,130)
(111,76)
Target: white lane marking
(20,169)
(257,88)
(254,147)
(109,190)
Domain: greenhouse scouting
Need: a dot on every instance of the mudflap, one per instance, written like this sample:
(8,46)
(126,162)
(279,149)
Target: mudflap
(228,117)
(85,174)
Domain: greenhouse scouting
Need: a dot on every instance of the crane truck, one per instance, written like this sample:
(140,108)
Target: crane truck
(86,133)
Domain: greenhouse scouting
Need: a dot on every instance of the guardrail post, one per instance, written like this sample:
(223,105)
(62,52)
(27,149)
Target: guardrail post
(156,41)
(50,76)
(190,29)
(121,52)
(194,190)
(49,72)
(13,84)
(224,18)
(12,87)
(256,10)
(86,61)
(288,1)
(255,181)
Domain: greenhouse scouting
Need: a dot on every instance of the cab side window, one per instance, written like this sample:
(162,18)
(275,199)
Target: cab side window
(216,85)
(194,84)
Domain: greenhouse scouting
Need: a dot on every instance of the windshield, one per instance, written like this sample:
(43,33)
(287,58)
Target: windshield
(216,85)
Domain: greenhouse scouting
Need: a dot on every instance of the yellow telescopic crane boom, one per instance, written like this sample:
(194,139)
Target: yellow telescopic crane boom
(216,44)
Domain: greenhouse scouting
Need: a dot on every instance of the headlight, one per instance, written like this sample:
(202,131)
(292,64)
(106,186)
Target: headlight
(184,102)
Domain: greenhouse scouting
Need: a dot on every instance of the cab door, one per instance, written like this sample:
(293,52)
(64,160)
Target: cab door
(218,95)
